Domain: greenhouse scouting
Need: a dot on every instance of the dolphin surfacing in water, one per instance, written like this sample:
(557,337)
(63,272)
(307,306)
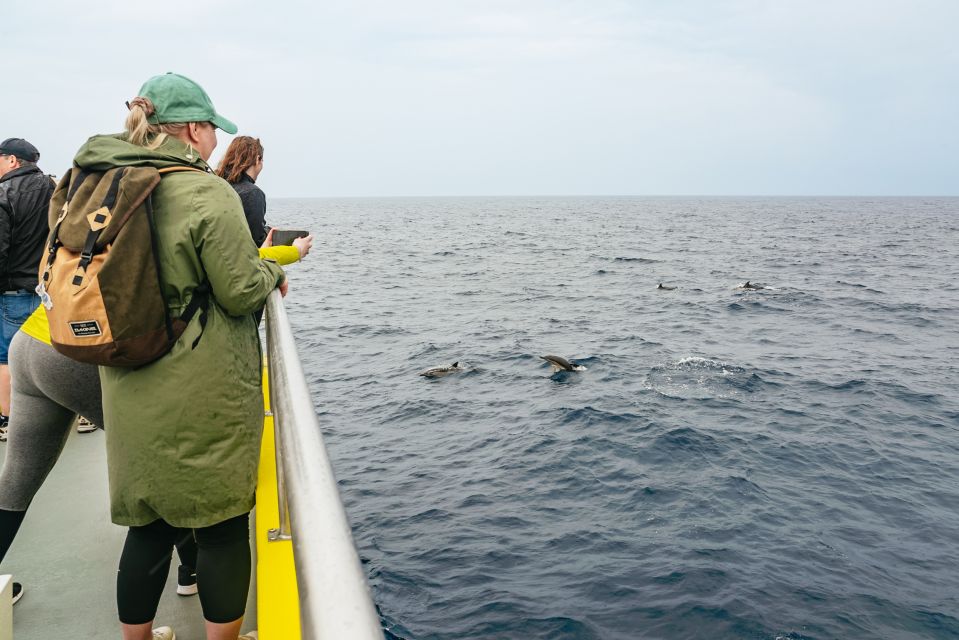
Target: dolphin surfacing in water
(562,364)
(664,288)
(749,286)
(439,372)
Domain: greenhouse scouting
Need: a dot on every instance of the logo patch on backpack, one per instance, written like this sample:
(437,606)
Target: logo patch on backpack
(86,329)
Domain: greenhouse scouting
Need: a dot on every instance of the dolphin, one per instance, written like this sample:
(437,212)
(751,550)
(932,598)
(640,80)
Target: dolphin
(439,372)
(750,286)
(562,364)
(665,288)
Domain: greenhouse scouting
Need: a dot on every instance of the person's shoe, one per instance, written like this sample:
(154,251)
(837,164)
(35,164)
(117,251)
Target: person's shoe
(249,635)
(163,633)
(85,426)
(3,434)
(186,581)
(17,592)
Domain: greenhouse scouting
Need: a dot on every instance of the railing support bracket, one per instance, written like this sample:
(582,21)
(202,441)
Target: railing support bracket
(274,535)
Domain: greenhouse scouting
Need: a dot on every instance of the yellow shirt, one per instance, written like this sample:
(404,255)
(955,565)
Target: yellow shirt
(36,325)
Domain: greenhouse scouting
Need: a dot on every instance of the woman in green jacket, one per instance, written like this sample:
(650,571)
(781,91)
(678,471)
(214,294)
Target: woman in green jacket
(183,433)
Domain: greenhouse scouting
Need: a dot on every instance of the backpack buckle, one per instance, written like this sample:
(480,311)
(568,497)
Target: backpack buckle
(86,254)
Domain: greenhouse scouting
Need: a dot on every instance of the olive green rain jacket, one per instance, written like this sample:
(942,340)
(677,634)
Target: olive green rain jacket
(183,433)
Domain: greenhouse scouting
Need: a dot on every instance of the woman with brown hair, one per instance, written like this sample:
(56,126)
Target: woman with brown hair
(241,166)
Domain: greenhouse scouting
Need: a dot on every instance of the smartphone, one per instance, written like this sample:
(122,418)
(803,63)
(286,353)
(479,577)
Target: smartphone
(287,236)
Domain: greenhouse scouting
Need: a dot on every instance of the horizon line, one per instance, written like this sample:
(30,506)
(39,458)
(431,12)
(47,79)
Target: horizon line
(619,195)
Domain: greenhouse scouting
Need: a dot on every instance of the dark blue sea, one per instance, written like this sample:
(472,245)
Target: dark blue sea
(775,463)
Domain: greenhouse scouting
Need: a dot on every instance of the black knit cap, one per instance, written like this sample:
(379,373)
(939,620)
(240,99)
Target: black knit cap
(20,148)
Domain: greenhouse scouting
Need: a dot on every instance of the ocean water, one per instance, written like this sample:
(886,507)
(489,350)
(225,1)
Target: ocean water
(780,463)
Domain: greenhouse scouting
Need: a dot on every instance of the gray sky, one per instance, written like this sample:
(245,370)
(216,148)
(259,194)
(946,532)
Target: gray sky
(495,97)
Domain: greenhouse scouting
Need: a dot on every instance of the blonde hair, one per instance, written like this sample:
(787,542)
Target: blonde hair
(141,132)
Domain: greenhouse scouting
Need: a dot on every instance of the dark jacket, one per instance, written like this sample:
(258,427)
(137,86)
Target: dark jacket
(24,198)
(254,207)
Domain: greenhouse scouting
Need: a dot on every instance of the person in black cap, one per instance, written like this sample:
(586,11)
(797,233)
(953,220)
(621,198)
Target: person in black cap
(24,197)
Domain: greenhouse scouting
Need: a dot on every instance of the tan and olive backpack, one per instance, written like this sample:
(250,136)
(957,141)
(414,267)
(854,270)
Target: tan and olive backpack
(101,282)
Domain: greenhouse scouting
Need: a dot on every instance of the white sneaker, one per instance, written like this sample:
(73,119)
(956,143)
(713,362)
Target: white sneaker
(163,633)
(85,426)
(185,581)
(249,635)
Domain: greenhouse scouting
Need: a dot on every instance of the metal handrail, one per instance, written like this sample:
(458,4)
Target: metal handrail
(335,601)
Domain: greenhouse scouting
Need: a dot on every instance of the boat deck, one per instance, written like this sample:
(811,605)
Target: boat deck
(66,557)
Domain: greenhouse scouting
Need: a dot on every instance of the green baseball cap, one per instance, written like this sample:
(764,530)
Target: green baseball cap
(176,98)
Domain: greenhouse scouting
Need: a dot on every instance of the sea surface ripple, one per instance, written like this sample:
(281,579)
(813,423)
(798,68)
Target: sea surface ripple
(781,463)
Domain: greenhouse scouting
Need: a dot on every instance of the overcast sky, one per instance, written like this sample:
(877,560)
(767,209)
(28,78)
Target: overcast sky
(532,97)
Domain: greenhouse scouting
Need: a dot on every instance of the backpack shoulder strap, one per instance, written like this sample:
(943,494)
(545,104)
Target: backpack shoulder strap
(73,180)
(200,301)
(167,170)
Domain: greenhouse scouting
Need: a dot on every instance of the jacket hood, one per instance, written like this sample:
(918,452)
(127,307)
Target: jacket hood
(104,152)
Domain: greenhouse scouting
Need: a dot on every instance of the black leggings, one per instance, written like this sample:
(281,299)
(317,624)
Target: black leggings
(222,569)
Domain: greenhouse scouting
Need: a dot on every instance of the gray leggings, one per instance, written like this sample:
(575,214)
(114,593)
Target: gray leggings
(48,390)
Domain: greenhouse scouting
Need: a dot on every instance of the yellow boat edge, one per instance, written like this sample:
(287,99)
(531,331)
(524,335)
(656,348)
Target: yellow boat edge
(277,598)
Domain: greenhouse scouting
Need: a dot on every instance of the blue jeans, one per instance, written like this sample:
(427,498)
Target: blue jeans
(15,307)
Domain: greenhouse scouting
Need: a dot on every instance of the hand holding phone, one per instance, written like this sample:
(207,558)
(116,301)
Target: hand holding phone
(303,245)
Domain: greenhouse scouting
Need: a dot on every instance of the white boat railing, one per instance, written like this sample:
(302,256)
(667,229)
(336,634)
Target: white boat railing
(335,600)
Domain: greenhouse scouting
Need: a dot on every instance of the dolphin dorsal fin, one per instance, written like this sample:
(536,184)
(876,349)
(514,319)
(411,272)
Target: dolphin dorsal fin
(455,364)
